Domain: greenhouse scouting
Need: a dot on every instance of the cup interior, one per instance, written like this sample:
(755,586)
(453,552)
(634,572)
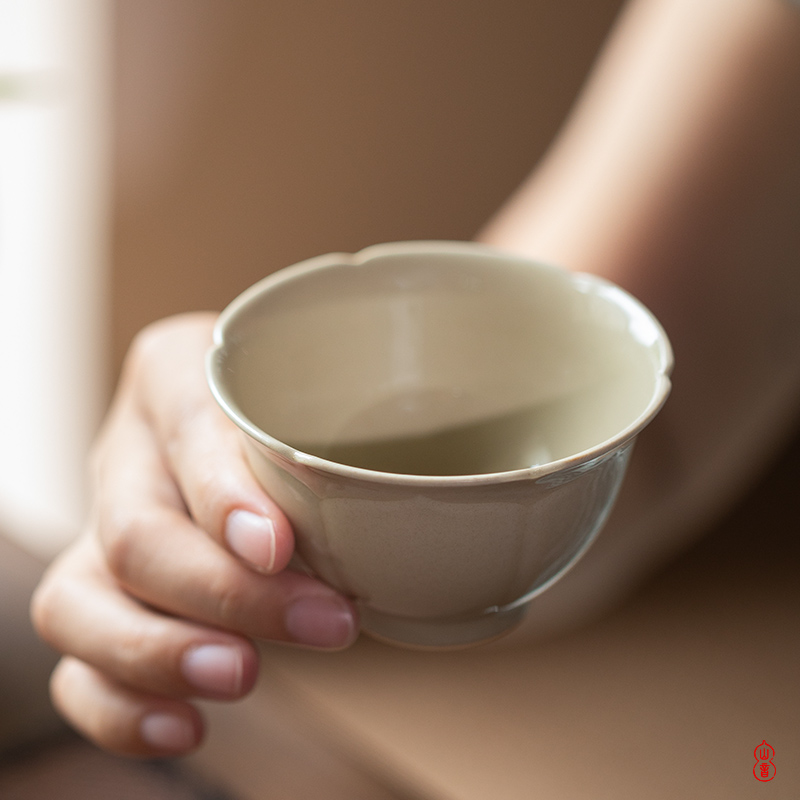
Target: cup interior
(438,360)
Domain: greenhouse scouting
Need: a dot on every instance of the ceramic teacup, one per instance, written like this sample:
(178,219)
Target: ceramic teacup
(446,426)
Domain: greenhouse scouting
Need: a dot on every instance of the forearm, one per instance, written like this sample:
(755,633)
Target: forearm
(678,177)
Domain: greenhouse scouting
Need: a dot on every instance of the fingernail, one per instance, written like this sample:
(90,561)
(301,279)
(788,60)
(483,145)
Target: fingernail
(252,537)
(320,622)
(164,731)
(214,668)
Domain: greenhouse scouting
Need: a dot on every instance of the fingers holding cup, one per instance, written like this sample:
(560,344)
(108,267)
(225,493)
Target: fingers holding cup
(199,447)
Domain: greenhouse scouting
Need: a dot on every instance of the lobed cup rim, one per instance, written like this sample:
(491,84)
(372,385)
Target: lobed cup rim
(590,284)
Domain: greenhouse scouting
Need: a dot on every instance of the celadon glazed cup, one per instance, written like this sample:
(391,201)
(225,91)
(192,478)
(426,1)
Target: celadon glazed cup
(446,426)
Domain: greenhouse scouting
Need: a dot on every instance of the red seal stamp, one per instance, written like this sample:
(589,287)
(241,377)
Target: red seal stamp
(764,769)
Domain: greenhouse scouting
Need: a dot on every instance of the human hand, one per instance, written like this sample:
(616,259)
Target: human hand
(182,564)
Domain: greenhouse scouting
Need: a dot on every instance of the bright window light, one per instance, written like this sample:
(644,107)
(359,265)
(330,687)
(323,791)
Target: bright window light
(54,136)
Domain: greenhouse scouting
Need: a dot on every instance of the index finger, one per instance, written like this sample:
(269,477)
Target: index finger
(202,448)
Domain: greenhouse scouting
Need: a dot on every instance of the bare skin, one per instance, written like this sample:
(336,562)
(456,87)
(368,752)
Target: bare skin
(171,487)
(677,176)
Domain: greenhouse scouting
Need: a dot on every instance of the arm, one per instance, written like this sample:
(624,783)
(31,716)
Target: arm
(678,177)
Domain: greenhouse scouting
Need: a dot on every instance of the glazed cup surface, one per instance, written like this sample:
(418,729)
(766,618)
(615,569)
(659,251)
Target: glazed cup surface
(446,426)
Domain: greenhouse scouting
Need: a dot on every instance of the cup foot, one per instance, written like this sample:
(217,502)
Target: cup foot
(446,633)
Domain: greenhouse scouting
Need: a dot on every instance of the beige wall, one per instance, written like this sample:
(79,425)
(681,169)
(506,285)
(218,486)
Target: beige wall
(253,134)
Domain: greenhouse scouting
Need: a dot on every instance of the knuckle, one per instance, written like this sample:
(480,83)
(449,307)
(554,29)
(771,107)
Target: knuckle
(120,532)
(60,686)
(212,503)
(145,347)
(150,341)
(117,547)
(140,351)
(43,606)
(142,655)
